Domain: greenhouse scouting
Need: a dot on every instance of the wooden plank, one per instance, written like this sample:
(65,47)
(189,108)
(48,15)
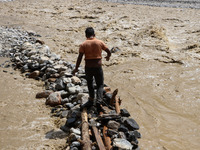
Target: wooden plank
(85,131)
(117,108)
(107,140)
(98,138)
(112,101)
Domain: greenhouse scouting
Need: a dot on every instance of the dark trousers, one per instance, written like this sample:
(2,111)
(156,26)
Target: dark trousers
(97,74)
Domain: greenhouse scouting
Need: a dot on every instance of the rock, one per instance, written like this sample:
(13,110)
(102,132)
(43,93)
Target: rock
(55,56)
(70,122)
(113,125)
(72,90)
(69,105)
(43,59)
(83,97)
(25,68)
(43,94)
(122,135)
(75,131)
(131,124)
(131,137)
(34,74)
(115,49)
(75,144)
(122,143)
(65,128)
(67,80)
(108,96)
(64,94)
(54,99)
(64,101)
(74,148)
(75,80)
(59,84)
(122,128)
(73,137)
(64,114)
(124,113)
(111,132)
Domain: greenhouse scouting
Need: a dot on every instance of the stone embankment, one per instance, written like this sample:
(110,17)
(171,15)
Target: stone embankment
(65,93)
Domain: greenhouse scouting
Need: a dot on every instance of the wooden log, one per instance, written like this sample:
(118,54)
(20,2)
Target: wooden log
(85,131)
(117,108)
(107,140)
(112,101)
(98,138)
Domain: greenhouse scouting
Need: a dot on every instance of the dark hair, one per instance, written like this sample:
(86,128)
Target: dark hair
(89,32)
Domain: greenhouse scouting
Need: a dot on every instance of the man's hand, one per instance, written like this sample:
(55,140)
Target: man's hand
(107,58)
(74,71)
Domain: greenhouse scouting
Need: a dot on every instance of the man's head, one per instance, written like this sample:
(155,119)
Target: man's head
(89,32)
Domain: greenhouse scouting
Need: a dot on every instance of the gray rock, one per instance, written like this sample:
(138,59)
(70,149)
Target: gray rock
(54,99)
(123,128)
(124,113)
(131,124)
(69,105)
(115,49)
(64,101)
(113,125)
(72,90)
(67,80)
(73,137)
(122,135)
(75,131)
(122,143)
(60,84)
(76,144)
(64,114)
(82,97)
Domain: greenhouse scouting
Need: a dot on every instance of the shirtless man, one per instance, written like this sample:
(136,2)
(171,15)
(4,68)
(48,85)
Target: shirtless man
(92,49)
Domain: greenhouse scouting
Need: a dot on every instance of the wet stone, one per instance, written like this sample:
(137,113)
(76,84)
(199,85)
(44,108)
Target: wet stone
(122,128)
(64,114)
(124,113)
(113,124)
(69,105)
(131,124)
(75,144)
(122,143)
(75,131)
(70,122)
(111,132)
(64,101)
(73,137)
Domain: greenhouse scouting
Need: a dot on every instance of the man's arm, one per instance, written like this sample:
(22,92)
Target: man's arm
(108,54)
(78,62)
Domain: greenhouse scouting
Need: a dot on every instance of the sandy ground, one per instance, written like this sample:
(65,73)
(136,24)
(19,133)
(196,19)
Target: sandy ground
(156,71)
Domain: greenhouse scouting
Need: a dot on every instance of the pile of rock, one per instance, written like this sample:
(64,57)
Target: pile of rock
(65,93)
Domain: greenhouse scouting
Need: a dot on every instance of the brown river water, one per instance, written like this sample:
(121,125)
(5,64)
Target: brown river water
(156,71)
